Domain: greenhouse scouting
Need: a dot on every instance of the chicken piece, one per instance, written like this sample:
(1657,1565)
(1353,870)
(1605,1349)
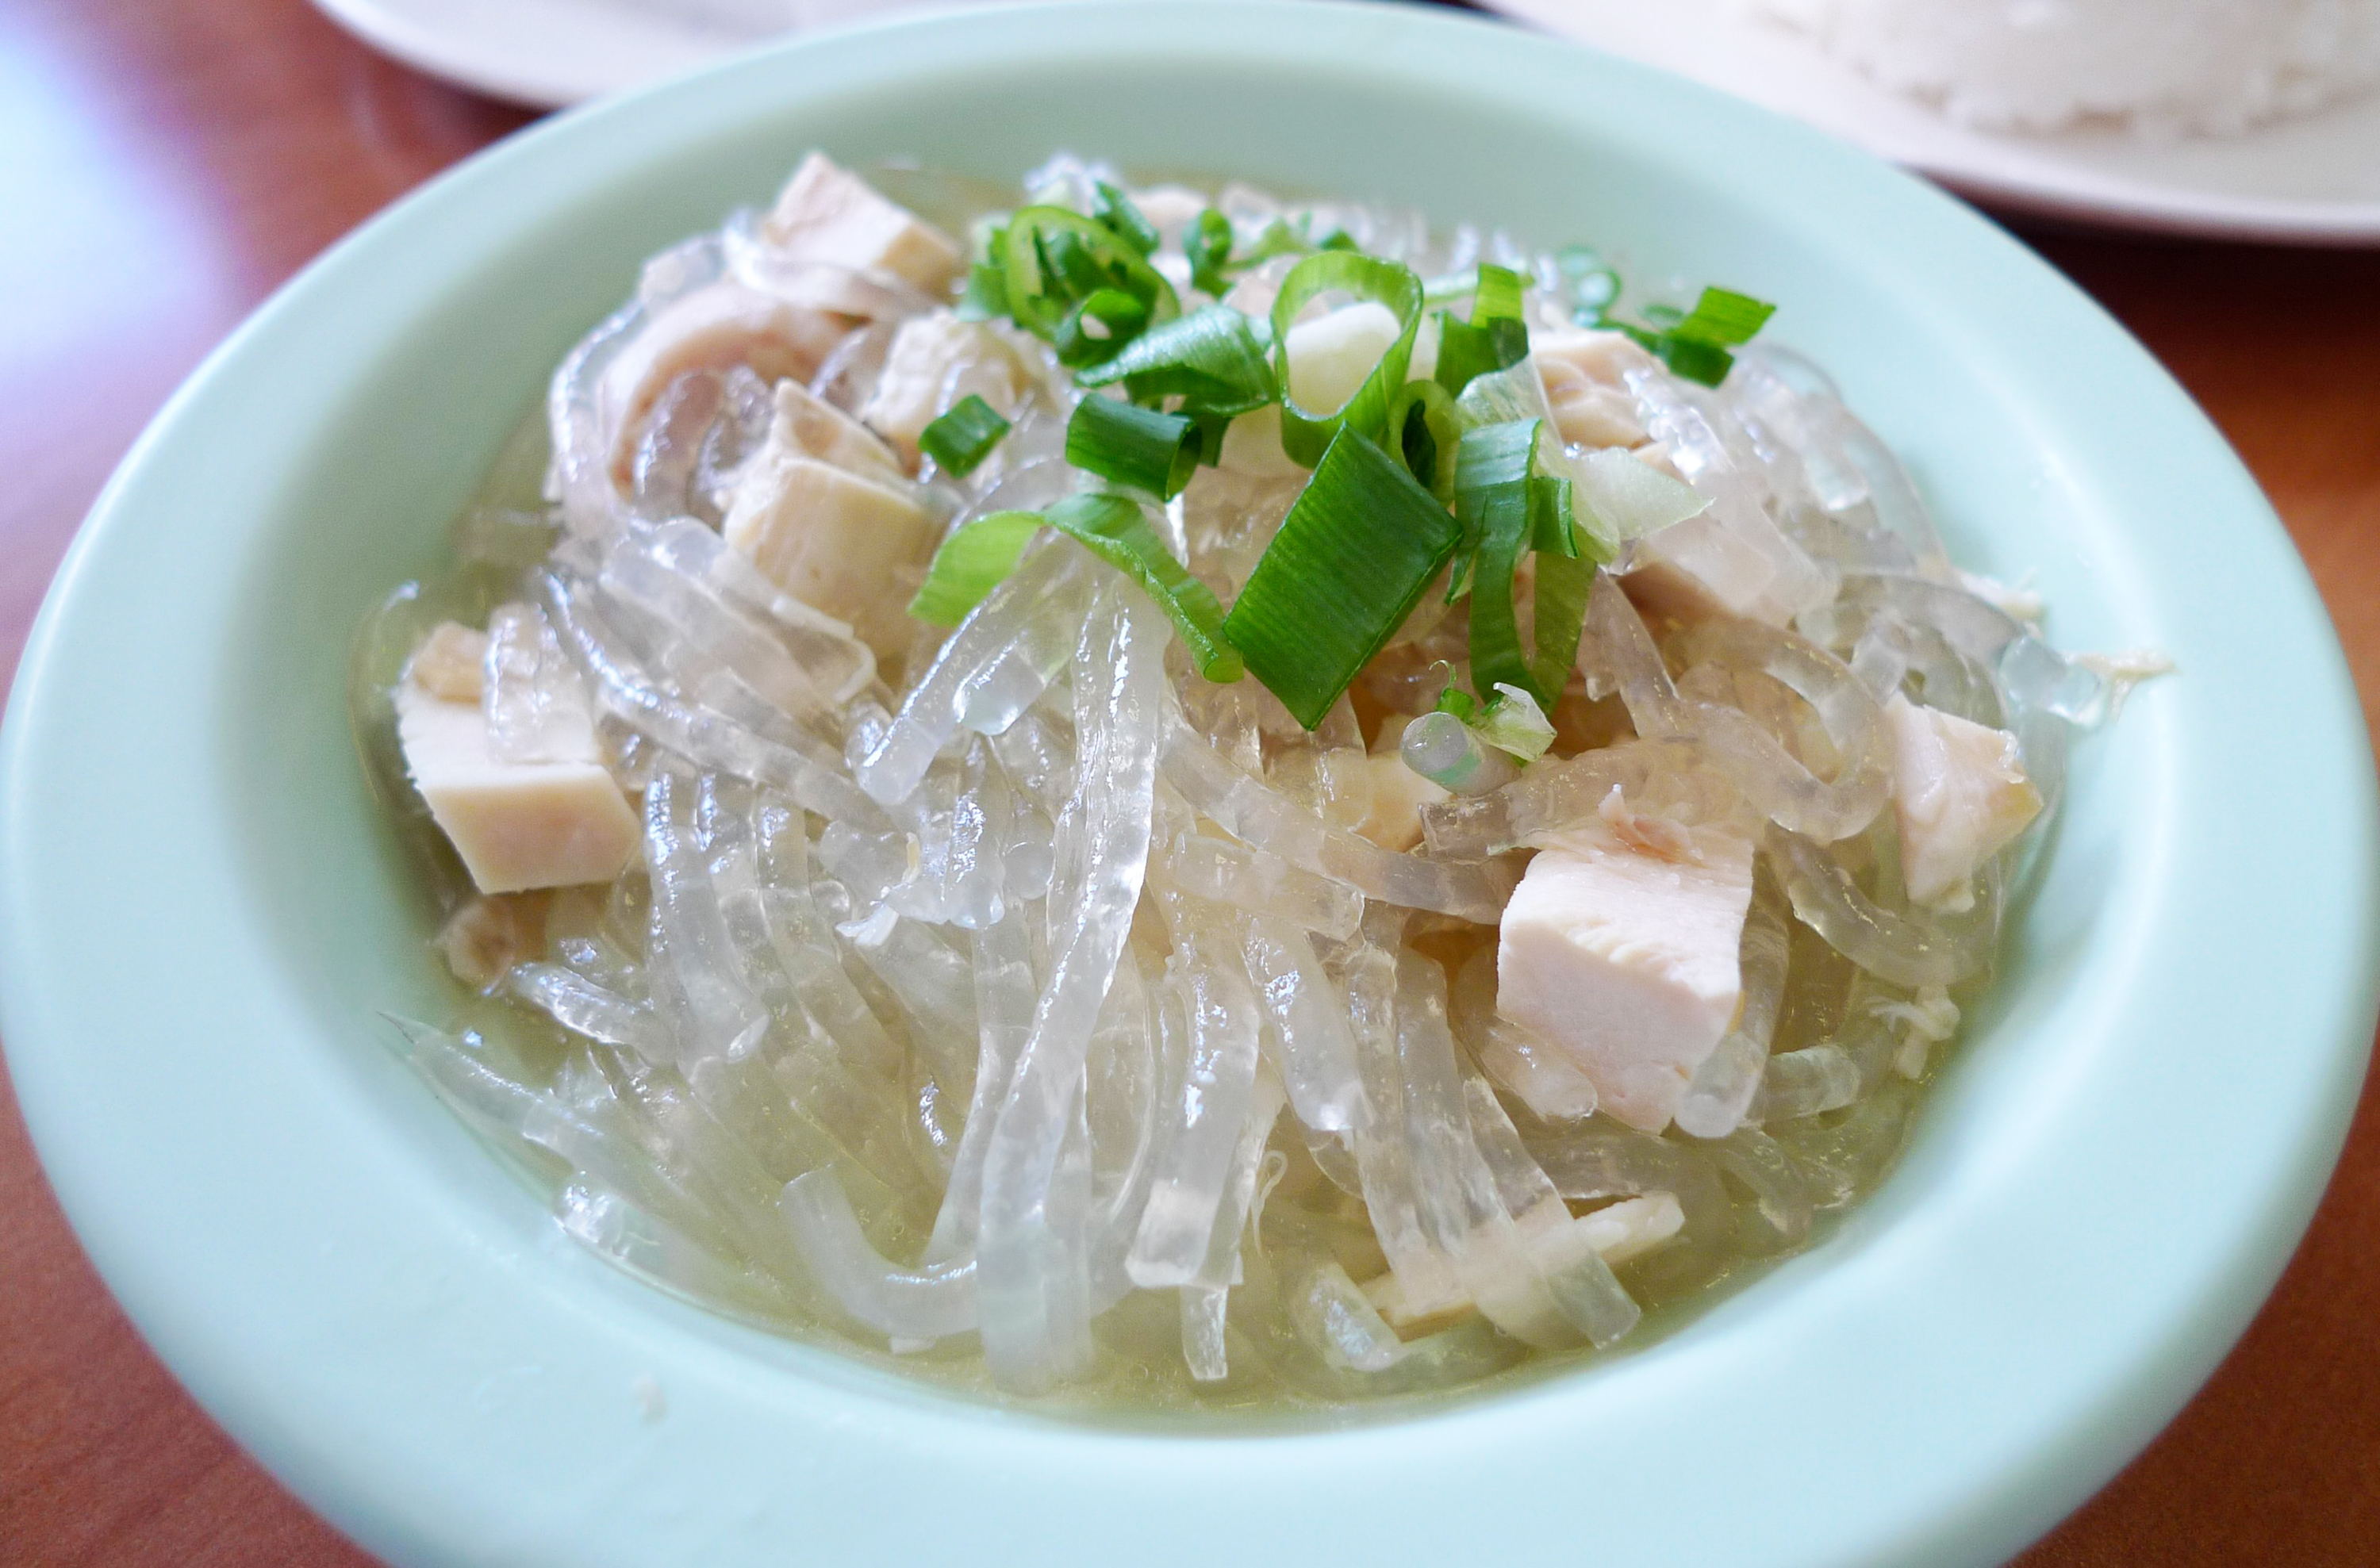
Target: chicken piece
(1959,795)
(1619,948)
(936,360)
(517,825)
(711,329)
(808,425)
(830,216)
(1583,372)
(1329,357)
(839,541)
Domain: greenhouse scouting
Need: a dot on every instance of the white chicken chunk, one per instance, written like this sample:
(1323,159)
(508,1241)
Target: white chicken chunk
(841,542)
(1329,357)
(1620,948)
(808,426)
(1583,374)
(830,216)
(1960,794)
(936,360)
(517,825)
(711,329)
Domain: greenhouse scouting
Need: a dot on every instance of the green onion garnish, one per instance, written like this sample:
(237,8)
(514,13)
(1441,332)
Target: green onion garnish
(1425,429)
(1564,583)
(972,562)
(1497,297)
(1695,345)
(1114,529)
(1491,500)
(1355,552)
(1142,448)
(1212,359)
(1063,272)
(1593,286)
(1207,244)
(986,284)
(964,435)
(1494,339)
(1114,209)
(1305,432)
(1098,327)
(1506,508)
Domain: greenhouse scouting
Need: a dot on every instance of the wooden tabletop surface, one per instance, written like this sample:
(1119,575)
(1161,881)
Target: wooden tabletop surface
(165,165)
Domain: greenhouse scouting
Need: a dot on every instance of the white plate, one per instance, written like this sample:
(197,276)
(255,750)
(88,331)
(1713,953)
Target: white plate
(544,52)
(2309,181)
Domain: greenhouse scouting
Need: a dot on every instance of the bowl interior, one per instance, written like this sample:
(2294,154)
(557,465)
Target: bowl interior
(2094,1202)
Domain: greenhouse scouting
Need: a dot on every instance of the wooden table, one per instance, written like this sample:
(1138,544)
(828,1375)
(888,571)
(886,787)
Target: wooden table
(164,166)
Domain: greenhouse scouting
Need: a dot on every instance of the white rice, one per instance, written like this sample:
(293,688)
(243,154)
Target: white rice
(2212,68)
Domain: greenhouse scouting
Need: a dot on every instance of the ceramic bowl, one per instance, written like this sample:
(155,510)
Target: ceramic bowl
(200,919)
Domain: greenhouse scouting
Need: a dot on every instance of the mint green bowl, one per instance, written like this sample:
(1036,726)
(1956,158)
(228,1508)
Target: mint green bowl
(202,919)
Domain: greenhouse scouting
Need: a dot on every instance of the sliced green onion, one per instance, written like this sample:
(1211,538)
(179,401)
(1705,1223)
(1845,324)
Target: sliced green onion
(1099,327)
(964,435)
(972,562)
(1115,529)
(1207,244)
(1494,339)
(987,285)
(1491,499)
(1142,448)
(1695,345)
(1114,209)
(1705,363)
(1507,507)
(1593,286)
(1212,359)
(1305,433)
(1054,262)
(1723,316)
(1553,526)
(1457,701)
(1467,350)
(1278,240)
(1427,430)
(1559,605)
(1358,548)
(1497,296)
(1514,724)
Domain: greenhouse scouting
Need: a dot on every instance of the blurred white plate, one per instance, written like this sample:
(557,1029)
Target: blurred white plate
(552,53)
(2309,181)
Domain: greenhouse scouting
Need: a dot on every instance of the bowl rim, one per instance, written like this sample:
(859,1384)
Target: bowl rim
(707,1482)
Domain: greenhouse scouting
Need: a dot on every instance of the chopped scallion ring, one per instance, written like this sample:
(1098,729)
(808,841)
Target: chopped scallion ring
(1213,359)
(971,563)
(1305,433)
(964,435)
(1142,448)
(1355,554)
(1113,208)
